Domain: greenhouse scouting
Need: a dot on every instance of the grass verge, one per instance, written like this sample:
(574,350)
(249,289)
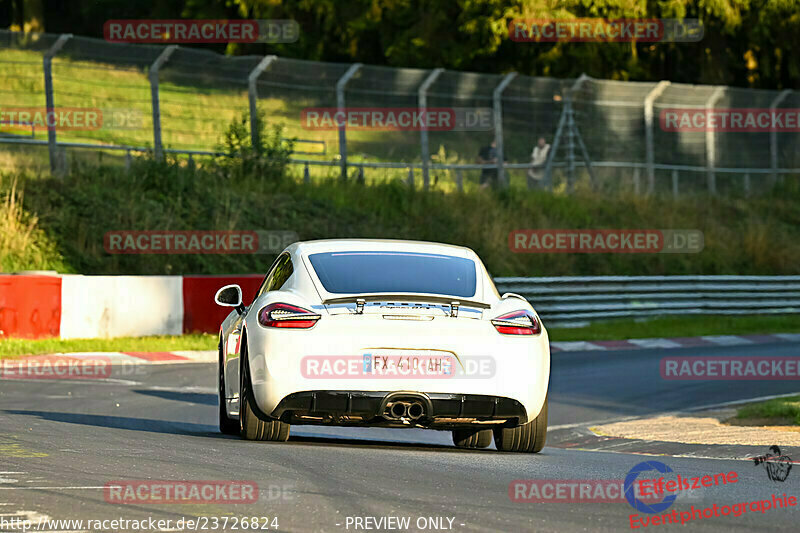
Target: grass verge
(11,348)
(759,236)
(777,412)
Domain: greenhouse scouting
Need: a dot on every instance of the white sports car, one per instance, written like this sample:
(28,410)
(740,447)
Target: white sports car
(384,333)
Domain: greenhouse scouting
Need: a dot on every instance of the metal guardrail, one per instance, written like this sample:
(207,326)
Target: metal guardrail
(575,299)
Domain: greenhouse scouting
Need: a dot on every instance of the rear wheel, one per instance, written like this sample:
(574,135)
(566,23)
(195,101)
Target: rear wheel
(472,438)
(528,437)
(227,425)
(251,426)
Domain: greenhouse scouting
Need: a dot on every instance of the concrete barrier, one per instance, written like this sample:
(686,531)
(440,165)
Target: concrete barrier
(30,306)
(121,306)
(200,313)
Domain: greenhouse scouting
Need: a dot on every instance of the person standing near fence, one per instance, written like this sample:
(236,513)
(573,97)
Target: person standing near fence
(486,156)
(538,161)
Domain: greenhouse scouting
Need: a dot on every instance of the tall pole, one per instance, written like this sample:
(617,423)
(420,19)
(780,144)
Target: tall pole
(340,105)
(153,75)
(711,146)
(497,102)
(773,135)
(648,133)
(48,94)
(252,97)
(422,102)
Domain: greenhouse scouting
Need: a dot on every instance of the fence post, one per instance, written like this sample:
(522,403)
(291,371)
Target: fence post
(674,183)
(252,97)
(153,76)
(306,175)
(773,135)
(340,85)
(497,104)
(747,184)
(459,180)
(648,132)
(48,94)
(637,186)
(422,103)
(411,177)
(711,149)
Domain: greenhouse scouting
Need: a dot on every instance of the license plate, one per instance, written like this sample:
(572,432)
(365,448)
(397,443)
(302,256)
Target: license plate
(409,365)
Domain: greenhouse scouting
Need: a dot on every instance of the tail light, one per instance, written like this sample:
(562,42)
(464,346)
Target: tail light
(517,323)
(286,316)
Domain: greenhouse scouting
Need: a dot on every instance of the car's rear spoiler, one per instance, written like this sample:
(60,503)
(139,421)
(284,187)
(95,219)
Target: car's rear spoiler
(383,297)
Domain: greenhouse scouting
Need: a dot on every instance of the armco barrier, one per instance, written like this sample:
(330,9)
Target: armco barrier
(572,299)
(75,306)
(200,313)
(30,306)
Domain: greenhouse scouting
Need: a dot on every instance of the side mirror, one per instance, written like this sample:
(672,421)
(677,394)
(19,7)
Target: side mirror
(230,296)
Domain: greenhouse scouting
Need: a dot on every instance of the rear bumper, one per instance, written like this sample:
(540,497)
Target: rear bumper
(520,365)
(364,406)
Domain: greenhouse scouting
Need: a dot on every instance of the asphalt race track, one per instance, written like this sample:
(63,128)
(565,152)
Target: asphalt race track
(62,441)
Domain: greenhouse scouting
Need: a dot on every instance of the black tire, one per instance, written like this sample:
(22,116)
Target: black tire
(227,425)
(527,438)
(472,438)
(251,425)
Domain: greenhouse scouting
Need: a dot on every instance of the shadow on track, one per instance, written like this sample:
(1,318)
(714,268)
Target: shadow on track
(202,430)
(124,422)
(190,397)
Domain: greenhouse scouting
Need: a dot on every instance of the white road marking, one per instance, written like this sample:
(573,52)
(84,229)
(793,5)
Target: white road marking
(792,337)
(572,346)
(52,488)
(727,340)
(183,389)
(655,343)
(739,402)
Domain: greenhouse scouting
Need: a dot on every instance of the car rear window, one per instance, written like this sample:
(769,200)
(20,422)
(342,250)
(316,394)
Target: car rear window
(369,272)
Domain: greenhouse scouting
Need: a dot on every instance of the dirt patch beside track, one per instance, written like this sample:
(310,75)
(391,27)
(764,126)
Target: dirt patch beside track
(707,427)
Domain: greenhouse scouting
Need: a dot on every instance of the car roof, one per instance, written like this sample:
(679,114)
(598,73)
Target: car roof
(378,245)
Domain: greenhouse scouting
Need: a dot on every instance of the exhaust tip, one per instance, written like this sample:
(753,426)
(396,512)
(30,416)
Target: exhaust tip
(398,410)
(415,410)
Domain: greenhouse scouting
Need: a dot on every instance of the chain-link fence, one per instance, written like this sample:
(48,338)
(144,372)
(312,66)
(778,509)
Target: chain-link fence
(182,100)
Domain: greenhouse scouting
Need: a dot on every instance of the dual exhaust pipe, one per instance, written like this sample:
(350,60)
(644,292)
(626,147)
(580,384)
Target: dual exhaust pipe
(401,410)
